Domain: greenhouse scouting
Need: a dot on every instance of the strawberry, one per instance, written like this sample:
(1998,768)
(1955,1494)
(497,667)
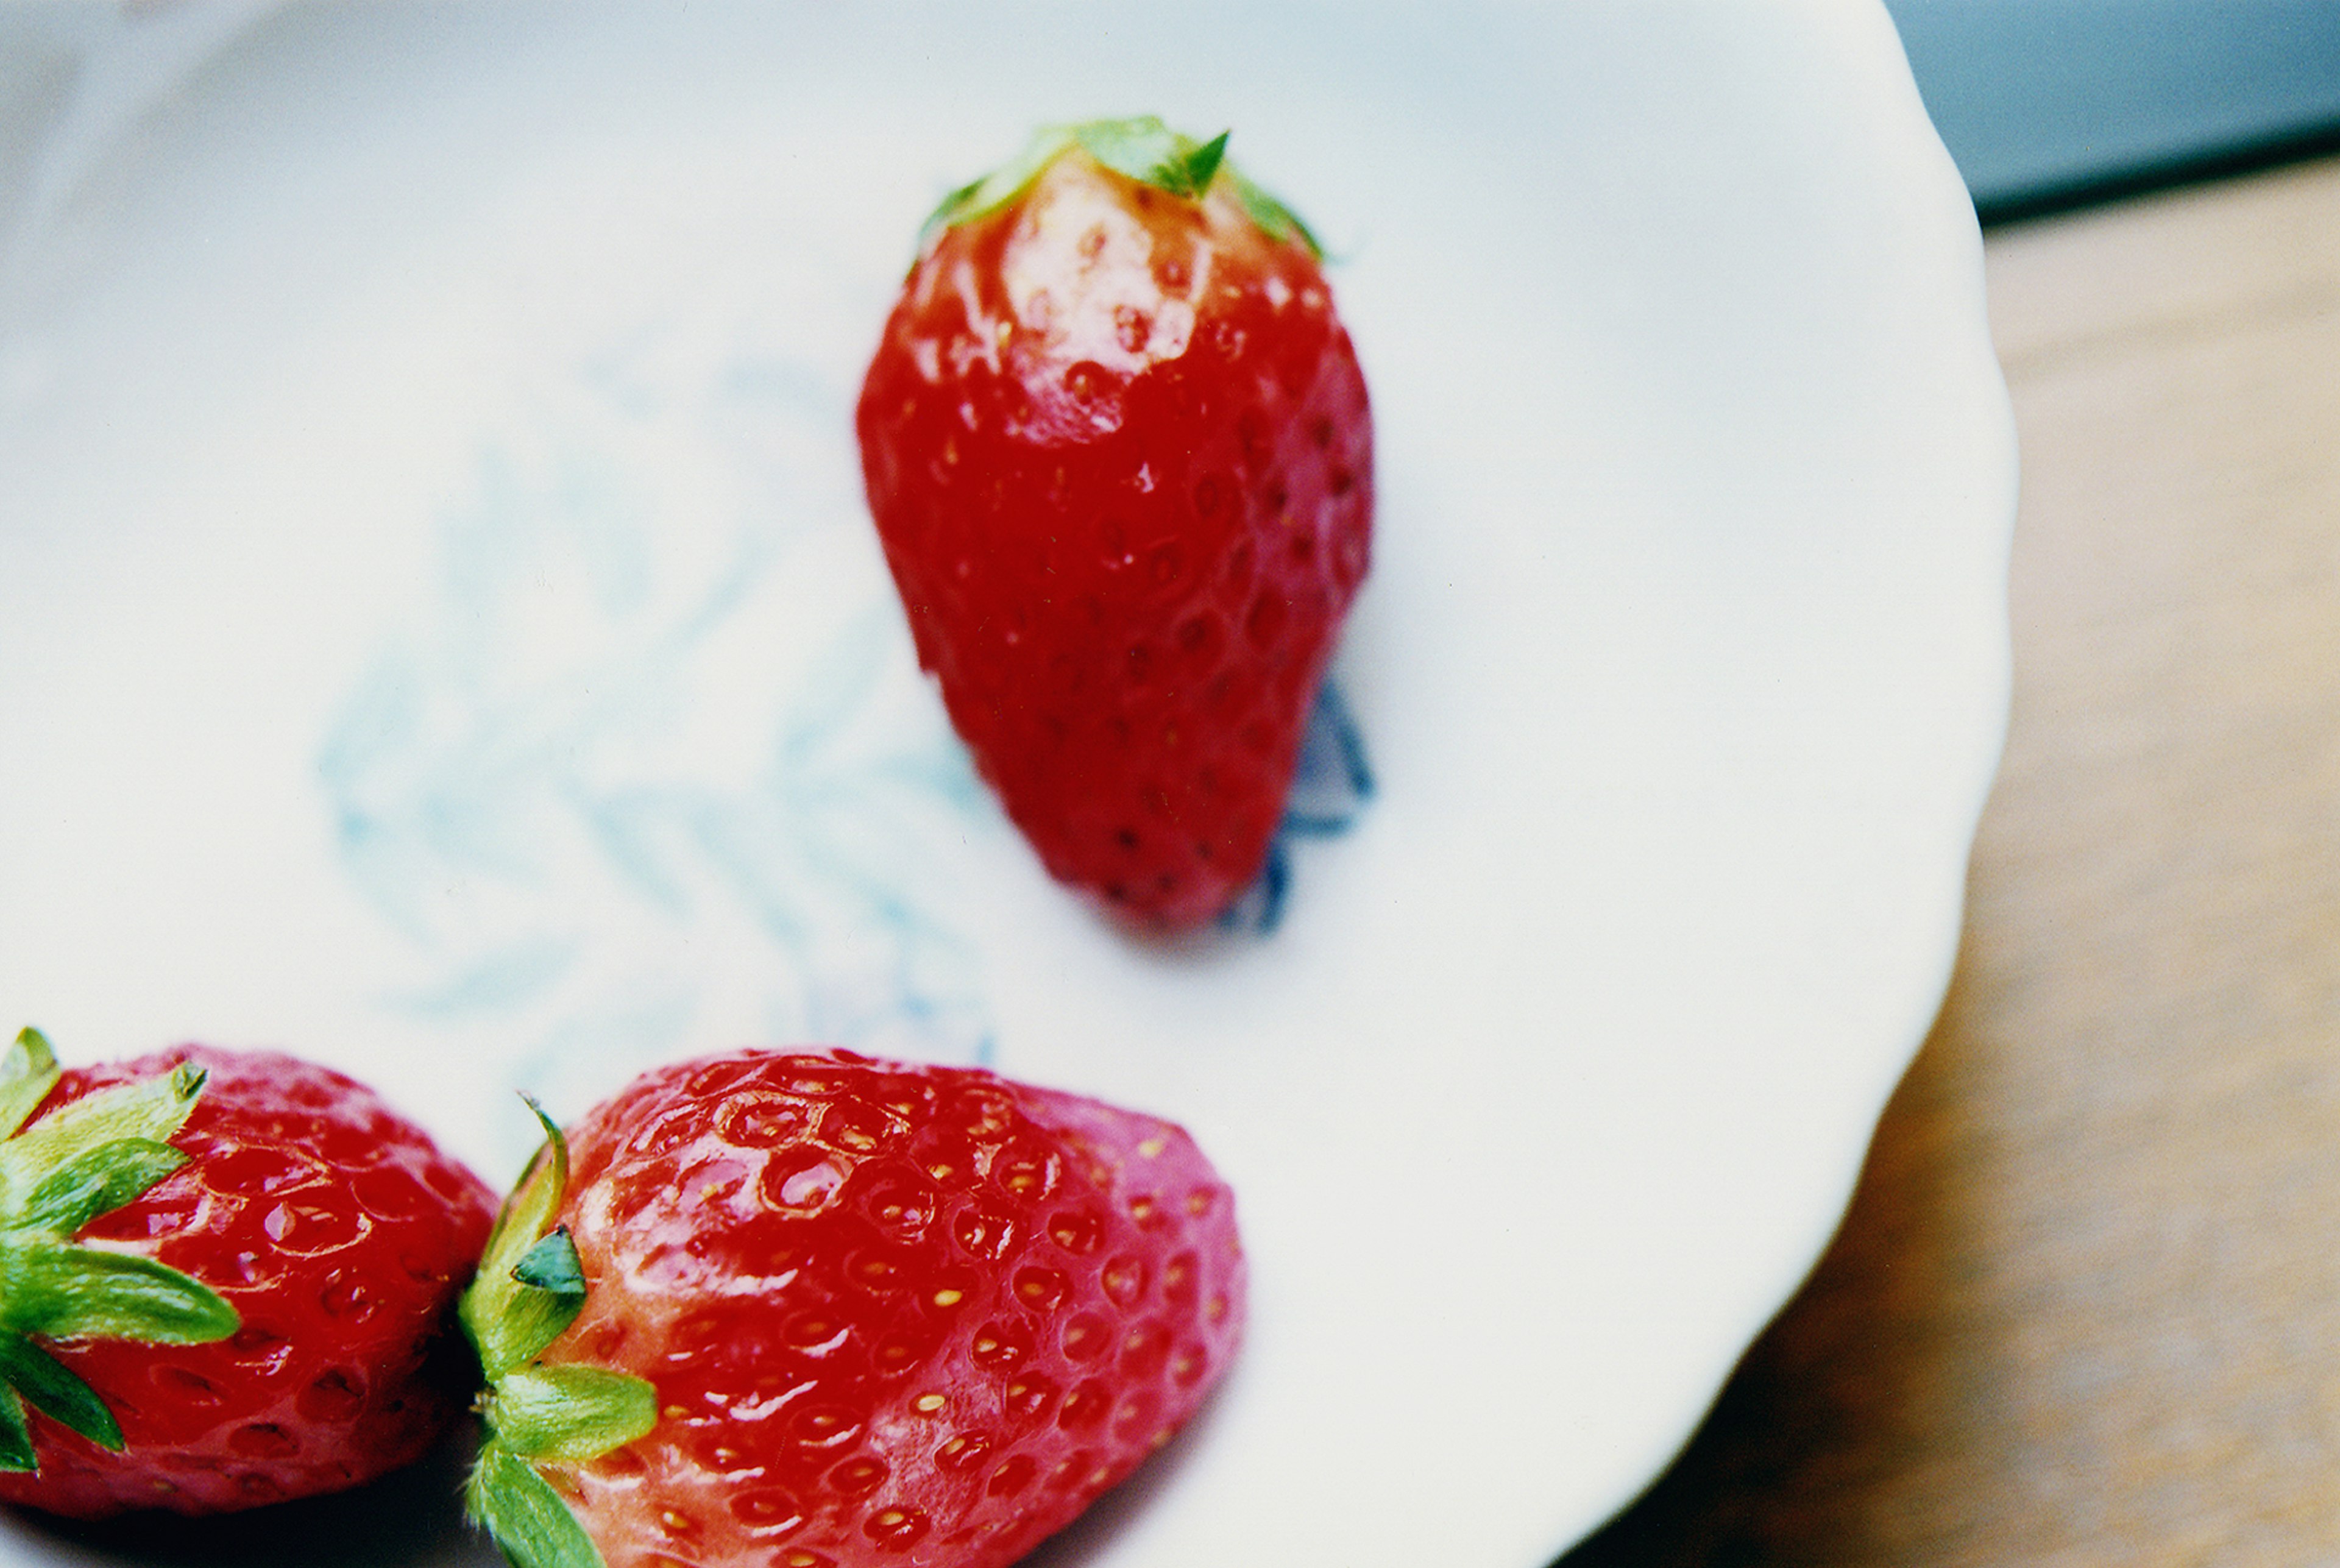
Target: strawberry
(229,1279)
(818,1311)
(1118,451)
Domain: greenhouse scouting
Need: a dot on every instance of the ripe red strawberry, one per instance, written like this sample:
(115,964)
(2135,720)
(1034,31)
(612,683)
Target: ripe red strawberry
(1118,450)
(818,1311)
(230,1279)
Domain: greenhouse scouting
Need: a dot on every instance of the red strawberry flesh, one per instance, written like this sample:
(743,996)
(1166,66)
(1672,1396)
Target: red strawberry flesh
(1119,453)
(341,1235)
(893,1314)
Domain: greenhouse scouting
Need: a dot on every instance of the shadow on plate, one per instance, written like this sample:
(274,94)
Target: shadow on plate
(411,1519)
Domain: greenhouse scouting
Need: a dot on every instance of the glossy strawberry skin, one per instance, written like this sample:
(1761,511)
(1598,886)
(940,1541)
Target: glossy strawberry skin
(1119,452)
(894,1315)
(341,1235)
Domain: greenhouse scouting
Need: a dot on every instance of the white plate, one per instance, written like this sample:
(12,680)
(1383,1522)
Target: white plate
(440,633)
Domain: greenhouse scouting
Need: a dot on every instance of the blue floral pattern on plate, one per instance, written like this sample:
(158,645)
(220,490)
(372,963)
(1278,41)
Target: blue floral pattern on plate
(533,753)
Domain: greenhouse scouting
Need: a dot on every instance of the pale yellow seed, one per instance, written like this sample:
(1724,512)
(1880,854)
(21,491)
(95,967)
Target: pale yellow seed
(930,1403)
(949,1297)
(1153,1147)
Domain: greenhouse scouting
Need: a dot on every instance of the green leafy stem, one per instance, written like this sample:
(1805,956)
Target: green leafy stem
(80,1161)
(529,1288)
(1142,148)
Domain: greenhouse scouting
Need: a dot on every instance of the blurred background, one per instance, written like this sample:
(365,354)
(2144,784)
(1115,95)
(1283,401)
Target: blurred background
(2048,105)
(2084,1308)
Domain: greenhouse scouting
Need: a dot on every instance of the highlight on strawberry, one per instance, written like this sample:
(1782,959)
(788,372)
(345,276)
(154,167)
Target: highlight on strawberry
(226,1279)
(1119,452)
(776,1307)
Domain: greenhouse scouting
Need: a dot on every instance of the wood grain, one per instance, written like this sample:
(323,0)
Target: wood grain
(2085,1306)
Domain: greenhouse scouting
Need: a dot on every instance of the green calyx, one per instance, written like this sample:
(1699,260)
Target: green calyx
(1147,149)
(1143,149)
(529,1288)
(57,1175)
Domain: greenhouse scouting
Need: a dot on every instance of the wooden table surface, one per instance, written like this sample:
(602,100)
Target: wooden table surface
(2086,1305)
